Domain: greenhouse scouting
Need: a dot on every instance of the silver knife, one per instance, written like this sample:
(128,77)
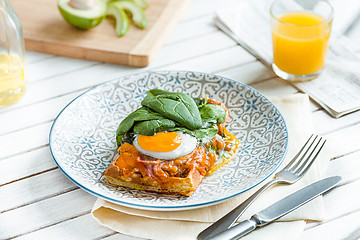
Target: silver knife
(277,210)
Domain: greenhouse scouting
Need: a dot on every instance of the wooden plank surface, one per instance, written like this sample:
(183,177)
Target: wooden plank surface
(46,31)
(32,208)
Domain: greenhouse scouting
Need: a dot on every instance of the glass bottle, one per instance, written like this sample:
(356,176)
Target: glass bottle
(12,56)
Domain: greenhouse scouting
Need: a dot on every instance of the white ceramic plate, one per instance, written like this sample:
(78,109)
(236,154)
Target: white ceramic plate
(82,138)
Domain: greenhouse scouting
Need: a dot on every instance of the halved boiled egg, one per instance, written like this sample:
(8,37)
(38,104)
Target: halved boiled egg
(165,145)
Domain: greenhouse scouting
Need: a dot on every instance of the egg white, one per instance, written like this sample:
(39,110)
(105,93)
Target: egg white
(188,144)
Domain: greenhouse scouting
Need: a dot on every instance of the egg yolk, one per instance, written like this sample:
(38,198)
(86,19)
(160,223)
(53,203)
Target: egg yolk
(160,142)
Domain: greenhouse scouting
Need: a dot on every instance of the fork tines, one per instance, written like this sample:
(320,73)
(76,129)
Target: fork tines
(309,151)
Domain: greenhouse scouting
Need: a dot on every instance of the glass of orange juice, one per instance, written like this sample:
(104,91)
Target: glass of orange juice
(300,35)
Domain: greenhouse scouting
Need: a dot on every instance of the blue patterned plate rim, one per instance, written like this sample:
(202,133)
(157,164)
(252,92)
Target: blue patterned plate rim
(170,207)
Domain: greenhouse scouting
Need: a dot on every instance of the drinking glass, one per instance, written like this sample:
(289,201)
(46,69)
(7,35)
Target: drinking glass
(12,56)
(300,35)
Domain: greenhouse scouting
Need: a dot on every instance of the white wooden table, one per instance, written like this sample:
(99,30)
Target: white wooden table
(37,201)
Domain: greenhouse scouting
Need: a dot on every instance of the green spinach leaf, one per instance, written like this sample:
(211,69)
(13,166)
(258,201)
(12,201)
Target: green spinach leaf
(175,106)
(212,113)
(167,111)
(149,128)
(140,114)
(143,121)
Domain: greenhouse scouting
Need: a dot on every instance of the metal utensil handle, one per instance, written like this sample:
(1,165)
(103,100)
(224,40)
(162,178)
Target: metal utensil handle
(230,218)
(236,231)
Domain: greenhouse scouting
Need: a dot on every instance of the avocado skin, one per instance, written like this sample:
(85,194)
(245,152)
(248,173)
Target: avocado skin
(82,23)
(85,19)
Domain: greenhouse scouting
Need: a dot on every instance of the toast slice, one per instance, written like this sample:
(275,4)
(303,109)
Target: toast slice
(132,169)
(172,185)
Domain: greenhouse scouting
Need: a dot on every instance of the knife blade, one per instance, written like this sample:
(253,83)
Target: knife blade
(278,209)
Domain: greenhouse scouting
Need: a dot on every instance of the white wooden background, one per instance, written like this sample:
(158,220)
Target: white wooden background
(37,201)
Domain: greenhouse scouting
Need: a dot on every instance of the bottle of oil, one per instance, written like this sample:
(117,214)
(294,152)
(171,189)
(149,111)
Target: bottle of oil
(12,56)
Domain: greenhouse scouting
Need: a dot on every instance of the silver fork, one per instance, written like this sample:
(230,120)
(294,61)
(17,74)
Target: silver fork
(290,174)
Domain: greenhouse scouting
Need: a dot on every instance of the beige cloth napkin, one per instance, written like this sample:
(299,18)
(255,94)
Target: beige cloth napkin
(187,224)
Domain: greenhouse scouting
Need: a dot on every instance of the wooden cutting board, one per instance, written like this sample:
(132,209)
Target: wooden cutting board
(46,31)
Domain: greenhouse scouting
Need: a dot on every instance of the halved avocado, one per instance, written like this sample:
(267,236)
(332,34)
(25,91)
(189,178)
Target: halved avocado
(83,18)
(137,13)
(122,20)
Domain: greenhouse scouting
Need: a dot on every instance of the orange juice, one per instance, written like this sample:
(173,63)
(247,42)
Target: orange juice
(300,42)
